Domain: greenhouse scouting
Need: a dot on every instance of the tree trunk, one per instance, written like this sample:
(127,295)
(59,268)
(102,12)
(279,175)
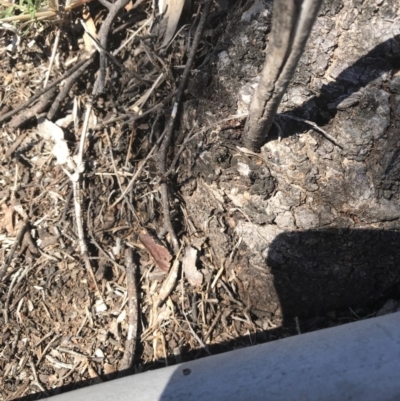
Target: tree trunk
(291,26)
(306,225)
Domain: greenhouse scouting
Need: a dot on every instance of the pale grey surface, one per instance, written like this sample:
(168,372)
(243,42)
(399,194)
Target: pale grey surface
(357,361)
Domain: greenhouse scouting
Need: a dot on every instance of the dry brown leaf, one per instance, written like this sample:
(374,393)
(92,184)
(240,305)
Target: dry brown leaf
(198,242)
(194,277)
(7,222)
(92,120)
(166,312)
(129,6)
(173,14)
(92,373)
(160,253)
(109,369)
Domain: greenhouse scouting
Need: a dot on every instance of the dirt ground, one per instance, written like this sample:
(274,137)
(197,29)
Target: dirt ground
(66,314)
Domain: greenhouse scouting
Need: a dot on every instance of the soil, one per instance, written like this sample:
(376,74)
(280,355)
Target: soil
(298,237)
(314,217)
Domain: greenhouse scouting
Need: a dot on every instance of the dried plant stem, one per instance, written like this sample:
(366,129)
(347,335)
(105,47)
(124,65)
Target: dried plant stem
(136,175)
(133,312)
(53,56)
(11,113)
(163,151)
(194,334)
(170,282)
(10,290)
(213,324)
(66,88)
(76,178)
(114,9)
(23,227)
(112,160)
(81,235)
(314,127)
(15,145)
(133,36)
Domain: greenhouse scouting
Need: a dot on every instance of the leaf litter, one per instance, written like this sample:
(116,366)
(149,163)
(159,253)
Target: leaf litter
(53,323)
(144,308)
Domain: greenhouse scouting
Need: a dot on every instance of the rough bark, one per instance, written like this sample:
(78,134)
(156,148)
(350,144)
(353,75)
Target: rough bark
(314,227)
(291,27)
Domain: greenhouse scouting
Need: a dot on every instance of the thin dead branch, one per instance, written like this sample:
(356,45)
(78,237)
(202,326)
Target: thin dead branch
(15,145)
(134,178)
(168,132)
(76,185)
(38,108)
(213,324)
(170,281)
(114,9)
(20,236)
(133,311)
(23,106)
(69,82)
(314,127)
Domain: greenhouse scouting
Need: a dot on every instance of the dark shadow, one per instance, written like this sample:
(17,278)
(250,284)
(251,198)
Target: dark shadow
(315,271)
(321,109)
(381,59)
(318,273)
(312,270)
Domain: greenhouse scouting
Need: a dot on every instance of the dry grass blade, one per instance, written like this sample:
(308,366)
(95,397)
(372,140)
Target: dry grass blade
(49,13)
(41,15)
(74,4)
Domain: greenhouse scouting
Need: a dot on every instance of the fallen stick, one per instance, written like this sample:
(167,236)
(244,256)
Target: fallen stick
(131,339)
(11,113)
(168,132)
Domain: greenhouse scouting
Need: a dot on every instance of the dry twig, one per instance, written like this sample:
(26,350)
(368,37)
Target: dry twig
(169,283)
(168,132)
(97,245)
(15,145)
(36,109)
(20,235)
(76,179)
(69,82)
(114,9)
(130,344)
(11,113)
(315,127)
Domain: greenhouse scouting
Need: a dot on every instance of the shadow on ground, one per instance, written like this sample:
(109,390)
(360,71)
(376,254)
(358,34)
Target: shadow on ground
(382,59)
(358,262)
(347,267)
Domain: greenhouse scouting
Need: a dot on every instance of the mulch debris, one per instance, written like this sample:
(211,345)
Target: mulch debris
(61,326)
